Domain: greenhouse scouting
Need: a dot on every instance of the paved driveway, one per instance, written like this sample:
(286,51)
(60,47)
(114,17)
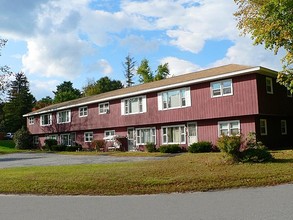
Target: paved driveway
(52,159)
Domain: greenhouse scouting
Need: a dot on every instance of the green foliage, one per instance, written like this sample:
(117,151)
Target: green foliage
(66,92)
(171,148)
(49,143)
(162,72)
(230,145)
(73,148)
(58,147)
(151,147)
(43,103)
(200,147)
(20,102)
(22,139)
(129,68)
(270,23)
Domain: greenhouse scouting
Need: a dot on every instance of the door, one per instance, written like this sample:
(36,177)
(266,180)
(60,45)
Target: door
(131,139)
(192,133)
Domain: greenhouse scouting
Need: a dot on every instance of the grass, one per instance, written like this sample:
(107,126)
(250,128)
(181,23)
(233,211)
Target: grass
(182,173)
(7,146)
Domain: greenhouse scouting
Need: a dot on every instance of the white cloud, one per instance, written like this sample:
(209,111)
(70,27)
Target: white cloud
(101,66)
(179,66)
(43,88)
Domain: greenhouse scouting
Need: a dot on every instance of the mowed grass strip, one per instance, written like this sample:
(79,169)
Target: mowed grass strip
(182,173)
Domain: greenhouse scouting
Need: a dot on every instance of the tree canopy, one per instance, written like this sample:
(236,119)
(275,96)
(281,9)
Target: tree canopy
(4,71)
(104,84)
(270,22)
(46,101)
(66,92)
(129,68)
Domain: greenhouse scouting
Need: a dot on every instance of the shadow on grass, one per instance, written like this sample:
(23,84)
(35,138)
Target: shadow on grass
(282,161)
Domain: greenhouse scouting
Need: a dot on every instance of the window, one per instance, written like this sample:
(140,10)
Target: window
(52,137)
(269,85)
(63,117)
(67,139)
(109,133)
(178,98)
(46,119)
(145,135)
(35,140)
(283,127)
(263,127)
(88,136)
(229,128)
(83,111)
(31,120)
(104,108)
(222,88)
(133,105)
(174,134)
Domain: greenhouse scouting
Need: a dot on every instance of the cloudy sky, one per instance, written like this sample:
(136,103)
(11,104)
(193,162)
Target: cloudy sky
(60,40)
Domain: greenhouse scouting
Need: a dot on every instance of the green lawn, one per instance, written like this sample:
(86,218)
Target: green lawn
(182,173)
(7,146)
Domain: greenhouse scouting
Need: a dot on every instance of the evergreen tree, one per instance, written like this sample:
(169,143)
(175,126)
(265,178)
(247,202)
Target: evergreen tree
(20,102)
(144,72)
(129,68)
(66,92)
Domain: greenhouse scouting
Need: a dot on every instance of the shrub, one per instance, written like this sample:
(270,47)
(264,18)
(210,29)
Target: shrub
(202,146)
(22,139)
(151,147)
(98,144)
(73,148)
(171,148)
(230,145)
(58,147)
(49,143)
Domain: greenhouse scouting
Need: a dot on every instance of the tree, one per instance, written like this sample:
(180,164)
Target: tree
(270,22)
(66,92)
(4,71)
(146,75)
(129,68)
(104,84)
(20,102)
(43,103)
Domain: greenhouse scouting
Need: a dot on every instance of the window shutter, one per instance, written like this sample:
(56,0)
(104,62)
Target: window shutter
(122,107)
(187,96)
(144,104)
(160,102)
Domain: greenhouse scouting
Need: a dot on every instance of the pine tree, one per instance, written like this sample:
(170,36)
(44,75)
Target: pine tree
(129,68)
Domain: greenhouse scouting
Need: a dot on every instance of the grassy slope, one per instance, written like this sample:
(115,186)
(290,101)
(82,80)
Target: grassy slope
(183,173)
(7,146)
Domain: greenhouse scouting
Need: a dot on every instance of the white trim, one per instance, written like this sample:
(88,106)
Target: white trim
(141,92)
(31,120)
(50,119)
(265,127)
(271,85)
(172,126)
(82,108)
(69,117)
(145,128)
(88,133)
(110,131)
(229,128)
(143,102)
(107,110)
(221,82)
(196,131)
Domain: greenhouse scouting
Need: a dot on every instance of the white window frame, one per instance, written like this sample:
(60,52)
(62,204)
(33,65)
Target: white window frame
(36,140)
(88,136)
(49,120)
(31,120)
(269,85)
(165,138)
(104,108)
(263,127)
(125,105)
(283,127)
(67,117)
(221,88)
(108,133)
(139,133)
(164,99)
(52,137)
(229,127)
(83,111)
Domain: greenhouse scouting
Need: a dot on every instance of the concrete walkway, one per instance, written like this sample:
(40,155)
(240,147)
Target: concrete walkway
(52,159)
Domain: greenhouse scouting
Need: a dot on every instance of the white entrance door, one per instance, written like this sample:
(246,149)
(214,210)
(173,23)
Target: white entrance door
(192,133)
(131,139)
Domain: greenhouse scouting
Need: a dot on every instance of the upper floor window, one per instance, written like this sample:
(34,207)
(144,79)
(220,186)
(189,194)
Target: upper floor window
(109,133)
(229,128)
(263,127)
(283,127)
(31,120)
(222,88)
(145,135)
(63,117)
(178,98)
(174,134)
(269,85)
(83,111)
(88,136)
(133,105)
(46,119)
(104,108)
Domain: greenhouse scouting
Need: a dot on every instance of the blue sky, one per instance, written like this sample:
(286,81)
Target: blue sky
(79,40)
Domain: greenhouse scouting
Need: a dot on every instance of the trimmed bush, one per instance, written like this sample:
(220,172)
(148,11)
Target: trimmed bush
(58,147)
(171,148)
(230,145)
(49,143)
(256,155)
(73,148)
(22,139)
(200,147)
(151,147)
